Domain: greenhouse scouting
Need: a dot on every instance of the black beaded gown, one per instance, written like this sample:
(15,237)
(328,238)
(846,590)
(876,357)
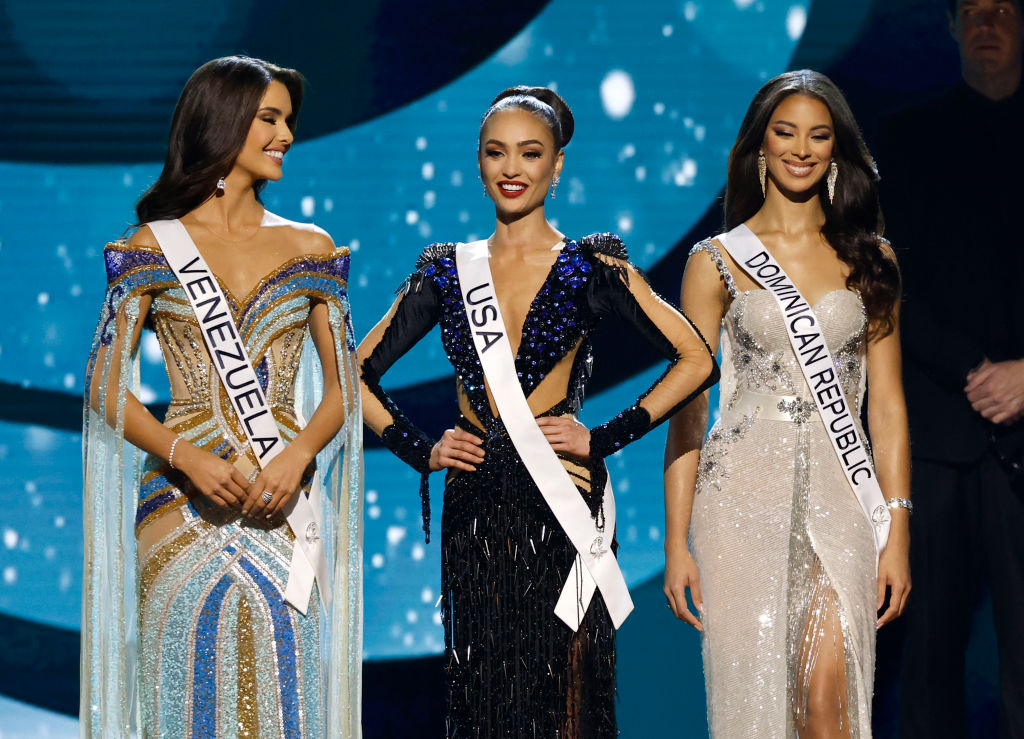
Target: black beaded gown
(513,668)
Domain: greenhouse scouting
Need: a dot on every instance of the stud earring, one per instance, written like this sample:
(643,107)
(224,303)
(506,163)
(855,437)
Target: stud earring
(762,171)
(221,186)
(833,174)
(554,185)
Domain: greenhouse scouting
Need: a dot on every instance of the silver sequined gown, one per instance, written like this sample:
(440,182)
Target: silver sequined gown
(778,535)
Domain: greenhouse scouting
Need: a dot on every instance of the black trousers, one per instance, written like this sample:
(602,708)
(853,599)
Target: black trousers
(967,523)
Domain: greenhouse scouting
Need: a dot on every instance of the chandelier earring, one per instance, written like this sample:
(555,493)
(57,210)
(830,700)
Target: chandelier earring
(222,186)
(554,185)
(762,171)
(833,173)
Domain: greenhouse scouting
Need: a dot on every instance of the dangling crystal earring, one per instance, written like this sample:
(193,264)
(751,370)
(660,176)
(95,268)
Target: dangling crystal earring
(554,185)
(833,173)
(762,170)
(221,186)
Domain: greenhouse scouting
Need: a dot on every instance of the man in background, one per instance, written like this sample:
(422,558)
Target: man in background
(953,196)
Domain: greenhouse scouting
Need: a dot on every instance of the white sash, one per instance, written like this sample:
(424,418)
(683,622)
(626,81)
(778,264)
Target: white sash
(816,363)
(599,568)
(228,355)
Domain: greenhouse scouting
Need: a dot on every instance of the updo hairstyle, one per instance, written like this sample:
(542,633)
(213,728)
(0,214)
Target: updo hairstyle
(542,102)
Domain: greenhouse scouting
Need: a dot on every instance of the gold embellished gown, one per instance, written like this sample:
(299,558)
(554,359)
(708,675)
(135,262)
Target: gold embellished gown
(184,612)
(779,537)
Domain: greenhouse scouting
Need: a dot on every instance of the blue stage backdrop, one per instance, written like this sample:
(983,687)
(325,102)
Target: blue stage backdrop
(385,161)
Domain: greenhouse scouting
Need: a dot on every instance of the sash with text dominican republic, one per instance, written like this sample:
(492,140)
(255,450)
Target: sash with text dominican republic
(819,370)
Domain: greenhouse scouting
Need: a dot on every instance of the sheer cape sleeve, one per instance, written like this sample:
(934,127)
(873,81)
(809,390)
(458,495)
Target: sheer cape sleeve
(620,288)
(111,476)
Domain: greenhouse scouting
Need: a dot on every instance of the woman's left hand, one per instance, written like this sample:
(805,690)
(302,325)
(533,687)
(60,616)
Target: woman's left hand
(567,435)
(282,478)
(894,573)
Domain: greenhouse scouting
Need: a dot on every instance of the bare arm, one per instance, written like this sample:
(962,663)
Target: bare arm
(283,474)
(704,299)
(887,421)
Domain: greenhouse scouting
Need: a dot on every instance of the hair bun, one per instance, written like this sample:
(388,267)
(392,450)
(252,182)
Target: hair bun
(549,97)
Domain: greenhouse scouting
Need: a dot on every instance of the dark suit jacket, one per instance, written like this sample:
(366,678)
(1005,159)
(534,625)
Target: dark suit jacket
(953,196)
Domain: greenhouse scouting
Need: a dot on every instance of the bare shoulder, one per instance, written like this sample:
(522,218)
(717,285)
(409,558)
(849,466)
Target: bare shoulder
(143,238)
(305,238)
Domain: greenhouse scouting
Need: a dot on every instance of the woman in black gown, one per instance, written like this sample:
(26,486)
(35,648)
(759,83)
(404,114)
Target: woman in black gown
(513,668)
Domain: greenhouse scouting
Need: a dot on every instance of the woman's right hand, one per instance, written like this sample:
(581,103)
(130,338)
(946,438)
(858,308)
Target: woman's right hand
(219,481)
(458,449)
(681,573)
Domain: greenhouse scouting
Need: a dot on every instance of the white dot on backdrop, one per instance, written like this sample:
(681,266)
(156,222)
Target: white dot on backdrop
(659,108)
(796,21)
(429,199)
(690,11)
(31,487)
(308,206)
(395,534)
(412,217)
(654,533)
(146,394)
(743,4)
(617,94)
(10,538)
(427,595)
(427,170)
(418,552)
(49,359)
(377,560)
(463,216)
(411,616)
(666,30)
(69,381)
(641,174)
(424,230)
(437,618)
(127,179)
(64,583)
(626,152)
(353,245)
(625,223)
(10,575)
(408,640)
(421,143)
(699,132)
(373,511)
(363,280)
(76,290)
(50,553)
(328,205)
(371,496)
(43,298)
(151,348)
(59,521)
(456,178)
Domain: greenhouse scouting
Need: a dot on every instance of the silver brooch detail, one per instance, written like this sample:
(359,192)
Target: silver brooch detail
(597,548)
(879,515)
(312,532)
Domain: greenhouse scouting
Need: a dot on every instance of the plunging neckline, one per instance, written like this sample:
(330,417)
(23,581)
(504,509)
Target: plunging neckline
(564,242)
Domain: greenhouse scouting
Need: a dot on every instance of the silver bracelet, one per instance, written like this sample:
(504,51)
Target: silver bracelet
(894,503)
(170,457)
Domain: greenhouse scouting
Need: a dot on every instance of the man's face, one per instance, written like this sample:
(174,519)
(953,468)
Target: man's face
(990,34)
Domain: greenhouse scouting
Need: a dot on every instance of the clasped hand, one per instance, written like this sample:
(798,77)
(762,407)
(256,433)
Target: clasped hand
(222,484)
(996,390)
(462,450)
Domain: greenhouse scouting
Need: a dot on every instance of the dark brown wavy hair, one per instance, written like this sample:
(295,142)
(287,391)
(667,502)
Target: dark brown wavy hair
(853,221)
(208,130)
(542,102)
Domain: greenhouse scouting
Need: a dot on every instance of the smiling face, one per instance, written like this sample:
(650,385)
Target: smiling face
(990,34)
(269,136)
(517,159)
(798,144)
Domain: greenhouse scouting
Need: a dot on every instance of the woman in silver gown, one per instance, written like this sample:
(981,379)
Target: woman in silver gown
(783,566)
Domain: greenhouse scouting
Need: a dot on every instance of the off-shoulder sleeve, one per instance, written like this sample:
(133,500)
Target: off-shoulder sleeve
(412,316)
(619,288)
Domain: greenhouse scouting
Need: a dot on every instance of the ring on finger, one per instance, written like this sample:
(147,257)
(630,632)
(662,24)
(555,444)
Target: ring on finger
(267,496)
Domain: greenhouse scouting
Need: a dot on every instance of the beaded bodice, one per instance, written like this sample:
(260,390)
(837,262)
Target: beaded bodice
(271,321)
(757,355)
(558,321)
